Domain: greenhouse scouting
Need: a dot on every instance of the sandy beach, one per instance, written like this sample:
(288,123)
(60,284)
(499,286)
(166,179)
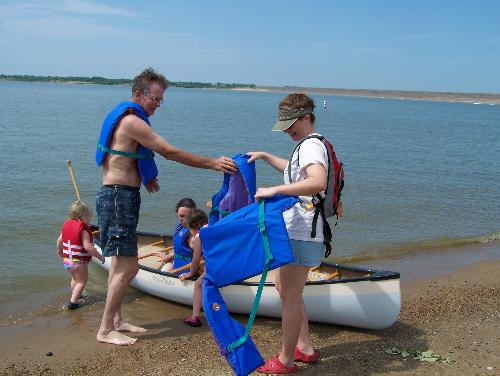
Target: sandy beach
(456,316)
(472,98)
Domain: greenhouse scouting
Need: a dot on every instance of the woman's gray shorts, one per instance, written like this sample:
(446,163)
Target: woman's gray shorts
(307,253)
(117,209)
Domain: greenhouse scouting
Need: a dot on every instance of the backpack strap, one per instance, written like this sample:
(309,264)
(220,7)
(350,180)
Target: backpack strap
(321,138)
(327,231)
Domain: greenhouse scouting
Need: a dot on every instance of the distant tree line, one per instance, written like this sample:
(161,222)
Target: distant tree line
(86,80)
(118,81)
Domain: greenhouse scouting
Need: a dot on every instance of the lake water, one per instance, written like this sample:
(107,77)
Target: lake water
(420,175)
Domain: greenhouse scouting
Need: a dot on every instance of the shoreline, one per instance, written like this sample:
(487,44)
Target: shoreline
(434,96)
(454,314)
(472,98)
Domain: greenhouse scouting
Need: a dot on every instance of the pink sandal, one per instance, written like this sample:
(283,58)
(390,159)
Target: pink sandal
(192,321)
(274,366)
(299,356)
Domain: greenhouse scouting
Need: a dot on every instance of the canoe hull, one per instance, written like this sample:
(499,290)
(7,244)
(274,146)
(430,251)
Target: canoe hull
(372,302)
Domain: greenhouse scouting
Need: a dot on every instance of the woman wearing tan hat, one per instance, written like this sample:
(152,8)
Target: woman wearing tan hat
(309,166)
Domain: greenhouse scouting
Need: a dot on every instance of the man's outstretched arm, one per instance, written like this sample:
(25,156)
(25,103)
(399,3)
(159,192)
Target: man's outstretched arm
(139,131)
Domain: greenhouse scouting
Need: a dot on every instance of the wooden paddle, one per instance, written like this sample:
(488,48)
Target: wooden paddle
(155,243)
(187,266)
(68,162)
(165,250)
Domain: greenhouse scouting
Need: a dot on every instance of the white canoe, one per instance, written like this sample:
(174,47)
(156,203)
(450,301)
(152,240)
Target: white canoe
(334,294)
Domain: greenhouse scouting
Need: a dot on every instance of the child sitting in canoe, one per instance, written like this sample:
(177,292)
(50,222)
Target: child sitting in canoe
(75,245)
(198,220)
(182,254)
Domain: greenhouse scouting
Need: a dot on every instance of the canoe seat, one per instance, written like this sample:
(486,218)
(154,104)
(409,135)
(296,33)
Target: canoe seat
(316,275)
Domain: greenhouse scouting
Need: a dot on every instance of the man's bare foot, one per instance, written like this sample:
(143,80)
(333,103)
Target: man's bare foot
(127,327)
(115,338)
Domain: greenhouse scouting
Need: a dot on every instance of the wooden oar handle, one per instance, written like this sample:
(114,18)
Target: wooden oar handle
(146,255)
(68,162)
(155,243)
(165,250)
(187,266)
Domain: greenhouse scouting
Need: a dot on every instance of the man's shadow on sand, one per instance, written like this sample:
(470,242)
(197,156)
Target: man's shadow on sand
(172,328)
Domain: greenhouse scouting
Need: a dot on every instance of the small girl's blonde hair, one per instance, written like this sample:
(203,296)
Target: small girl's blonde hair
(80,211)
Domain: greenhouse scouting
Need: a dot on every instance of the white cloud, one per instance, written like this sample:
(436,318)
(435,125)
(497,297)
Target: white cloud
(424,36)
(375,49)
(87,7)
(43,8)
(59,28)
(74,20)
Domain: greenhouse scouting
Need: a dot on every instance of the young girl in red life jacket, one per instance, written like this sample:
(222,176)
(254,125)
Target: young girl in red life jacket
(198,220)
(75,245)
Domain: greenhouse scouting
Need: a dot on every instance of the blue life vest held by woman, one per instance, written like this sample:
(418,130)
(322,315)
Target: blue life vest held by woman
(237,191)
(145,162)
(248,242)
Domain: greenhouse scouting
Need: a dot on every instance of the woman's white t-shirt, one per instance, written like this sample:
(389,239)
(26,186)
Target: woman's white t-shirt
(298,219)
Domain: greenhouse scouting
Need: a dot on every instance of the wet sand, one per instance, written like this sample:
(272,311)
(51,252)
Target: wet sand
(456,315)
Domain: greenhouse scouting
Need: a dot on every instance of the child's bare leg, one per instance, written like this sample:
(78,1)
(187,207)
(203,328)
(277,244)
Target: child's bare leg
(78,281)
(73,284)
(197,296)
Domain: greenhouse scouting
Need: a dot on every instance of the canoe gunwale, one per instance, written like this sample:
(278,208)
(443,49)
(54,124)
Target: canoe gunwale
(378,275)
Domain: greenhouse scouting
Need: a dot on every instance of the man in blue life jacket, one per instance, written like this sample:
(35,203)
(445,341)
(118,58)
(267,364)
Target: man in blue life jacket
(125,153)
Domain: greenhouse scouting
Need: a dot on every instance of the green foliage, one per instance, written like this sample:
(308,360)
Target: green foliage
(118,81)
(423,356)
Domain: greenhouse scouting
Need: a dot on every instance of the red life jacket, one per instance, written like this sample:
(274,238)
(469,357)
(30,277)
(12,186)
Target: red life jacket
(72,240)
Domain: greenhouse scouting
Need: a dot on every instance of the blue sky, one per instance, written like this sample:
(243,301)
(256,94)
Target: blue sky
(406,45)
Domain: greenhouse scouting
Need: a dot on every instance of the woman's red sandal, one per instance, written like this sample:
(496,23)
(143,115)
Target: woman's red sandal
(274,366)
(299,356)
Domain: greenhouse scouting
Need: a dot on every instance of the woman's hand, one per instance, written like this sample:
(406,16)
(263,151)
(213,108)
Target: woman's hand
(102,259)
(254,155)
(278,163)
(265,193)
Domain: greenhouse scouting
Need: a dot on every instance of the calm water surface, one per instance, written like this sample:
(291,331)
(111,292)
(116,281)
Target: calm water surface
(419,175)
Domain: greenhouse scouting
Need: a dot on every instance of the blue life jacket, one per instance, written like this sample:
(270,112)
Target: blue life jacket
(245,358)
(145,157)
(246,243)
(238,190)
(182,253)
(233,248)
